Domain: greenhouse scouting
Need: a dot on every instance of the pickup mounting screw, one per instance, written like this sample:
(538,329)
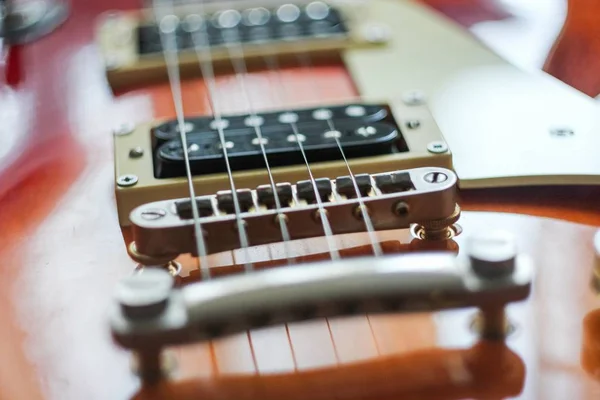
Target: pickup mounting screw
(136,152)
(127,180)
(437,147)
(124,129)
(436,177)
(414,98)
(413,124)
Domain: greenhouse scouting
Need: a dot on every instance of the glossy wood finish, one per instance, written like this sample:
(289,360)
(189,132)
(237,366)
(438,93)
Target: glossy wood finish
(62,251)
(578,48)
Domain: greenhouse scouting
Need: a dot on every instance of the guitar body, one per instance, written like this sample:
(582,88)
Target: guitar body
(63,251)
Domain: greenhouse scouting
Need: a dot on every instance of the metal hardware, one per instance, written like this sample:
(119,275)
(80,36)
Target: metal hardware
(26,21)
(146,319)
(437,147)
(436,177)
(413,124)
(436,211)
(401,209)
(124,129)
(377,33)
(127,180)
(136,152)
(562,132)
(414,98)
(153,214)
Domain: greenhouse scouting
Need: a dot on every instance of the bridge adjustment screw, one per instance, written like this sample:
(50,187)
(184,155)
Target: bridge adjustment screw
(377,33)
(436,177)
(413,124)
(401,209)
(127,180)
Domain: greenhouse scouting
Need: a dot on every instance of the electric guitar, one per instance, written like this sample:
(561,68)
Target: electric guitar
(257,200)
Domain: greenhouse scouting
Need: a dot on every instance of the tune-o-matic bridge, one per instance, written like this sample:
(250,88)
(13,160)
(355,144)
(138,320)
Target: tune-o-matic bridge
(395,200)
(362,131)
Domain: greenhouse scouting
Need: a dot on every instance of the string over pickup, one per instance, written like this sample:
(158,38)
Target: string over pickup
(393,200)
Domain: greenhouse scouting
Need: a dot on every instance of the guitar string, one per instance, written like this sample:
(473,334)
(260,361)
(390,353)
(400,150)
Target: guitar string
(170,53)
(304,58)
(305,61)
(202,47)
(237,58)
(334,253)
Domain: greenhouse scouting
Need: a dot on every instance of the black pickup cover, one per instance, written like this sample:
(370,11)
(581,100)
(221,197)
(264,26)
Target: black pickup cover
(274,29)
(362,130)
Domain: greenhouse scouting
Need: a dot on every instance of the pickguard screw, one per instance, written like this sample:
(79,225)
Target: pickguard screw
(153,214)
(562,132)
(127,180)
(436,177)
(413,124)
(136,152)
(124,129)
(401,209)
(437,147)
(414,98)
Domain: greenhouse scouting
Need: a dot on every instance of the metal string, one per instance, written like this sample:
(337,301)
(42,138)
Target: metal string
(170,52)
(376,246)
(305,61)
(236,55)
(203,53)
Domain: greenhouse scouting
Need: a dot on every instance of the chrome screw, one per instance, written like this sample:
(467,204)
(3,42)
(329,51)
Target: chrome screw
(414,98)
(153,214)
(562,132)
(124,129)
(136,152)
(436,177)
(437,147)
(413,124)
(401,209)
(127,180)
(377,34)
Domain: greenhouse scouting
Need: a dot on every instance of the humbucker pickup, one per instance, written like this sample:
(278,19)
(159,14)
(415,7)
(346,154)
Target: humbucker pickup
(255,25)
(361,130)
(393,200)
(130,42)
